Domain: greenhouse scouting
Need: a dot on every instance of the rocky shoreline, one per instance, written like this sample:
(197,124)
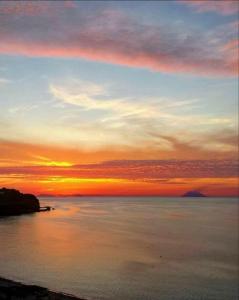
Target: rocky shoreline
(13,202)
(12,290)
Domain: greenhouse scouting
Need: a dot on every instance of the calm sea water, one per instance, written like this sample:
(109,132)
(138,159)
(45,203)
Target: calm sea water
(127,248)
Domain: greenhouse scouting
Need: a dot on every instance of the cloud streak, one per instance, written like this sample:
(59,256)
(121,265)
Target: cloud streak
(38,169)
(110,36)
(136,169)
(91,96)
(223,7)
(4,81)
(156,123)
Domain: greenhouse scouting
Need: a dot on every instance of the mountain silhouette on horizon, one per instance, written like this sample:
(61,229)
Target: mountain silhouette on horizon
(193,193)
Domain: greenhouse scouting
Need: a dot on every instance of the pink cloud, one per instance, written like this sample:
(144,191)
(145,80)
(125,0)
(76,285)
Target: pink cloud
(32,8)
(232,45)
(224,7)
(109,36)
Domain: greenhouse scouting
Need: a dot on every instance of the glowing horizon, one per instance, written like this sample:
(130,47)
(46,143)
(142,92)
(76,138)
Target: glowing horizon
(119,98)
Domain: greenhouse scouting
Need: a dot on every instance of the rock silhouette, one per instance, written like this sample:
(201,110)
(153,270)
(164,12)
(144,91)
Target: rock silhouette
(12,202)
(16,290)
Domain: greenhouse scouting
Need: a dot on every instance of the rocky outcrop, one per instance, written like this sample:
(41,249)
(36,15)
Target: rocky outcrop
(12,202)
(16,291)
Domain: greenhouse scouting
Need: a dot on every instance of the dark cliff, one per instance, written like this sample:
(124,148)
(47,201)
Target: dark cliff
(12,202)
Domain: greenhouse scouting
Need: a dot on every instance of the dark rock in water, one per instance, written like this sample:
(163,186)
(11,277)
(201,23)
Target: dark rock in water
(46,208)
(193,194)
(23,292)
(12,202)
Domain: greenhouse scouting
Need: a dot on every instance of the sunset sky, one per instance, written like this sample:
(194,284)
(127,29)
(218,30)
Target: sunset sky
(119,97)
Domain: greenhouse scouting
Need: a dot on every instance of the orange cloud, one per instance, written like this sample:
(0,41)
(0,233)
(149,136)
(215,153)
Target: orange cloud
(14,153)
(53,170)
(58,185)
(143,170)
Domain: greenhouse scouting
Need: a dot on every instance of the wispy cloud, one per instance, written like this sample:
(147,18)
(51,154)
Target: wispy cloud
(4,81)
(90,96)
(31,8)
(223,7)
(22,109)
(113,37)
(135,121)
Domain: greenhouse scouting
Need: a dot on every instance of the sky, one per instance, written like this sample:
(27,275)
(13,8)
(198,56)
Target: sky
(119,97)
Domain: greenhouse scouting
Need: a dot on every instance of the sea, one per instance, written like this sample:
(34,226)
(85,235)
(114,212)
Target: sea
(132,248)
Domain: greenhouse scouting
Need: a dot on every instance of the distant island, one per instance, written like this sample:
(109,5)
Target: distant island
(58,195)
(193,193)
(13,202)
(45,195)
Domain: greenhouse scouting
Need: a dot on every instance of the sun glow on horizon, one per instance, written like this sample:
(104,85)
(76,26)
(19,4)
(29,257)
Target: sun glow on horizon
(133,102)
